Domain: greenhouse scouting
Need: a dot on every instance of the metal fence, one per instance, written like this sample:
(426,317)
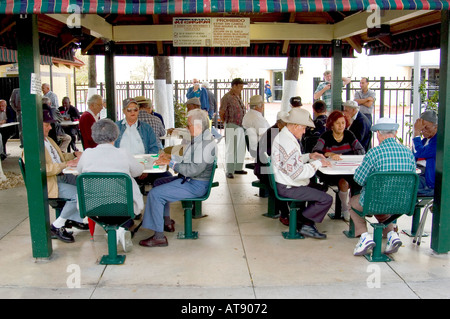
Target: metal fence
(394,99)
(126,90)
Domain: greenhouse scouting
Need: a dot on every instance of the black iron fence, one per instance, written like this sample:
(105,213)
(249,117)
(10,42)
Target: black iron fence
(394,99)
(126,90)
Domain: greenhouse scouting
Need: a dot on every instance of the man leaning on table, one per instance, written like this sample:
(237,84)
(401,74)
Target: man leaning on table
(138,138)
(388,156)
(61,185)
(425,151)
(293,170)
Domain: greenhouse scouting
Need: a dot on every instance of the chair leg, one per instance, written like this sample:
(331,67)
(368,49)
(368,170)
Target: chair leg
(350,233)
(292,233)
(112,258)
(198,210)
(188,233)
(271,207)
(376,255)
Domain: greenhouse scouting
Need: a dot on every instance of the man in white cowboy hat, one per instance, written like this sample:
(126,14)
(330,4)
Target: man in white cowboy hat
(359,124)
(389,155)
(293,171)
(254,123)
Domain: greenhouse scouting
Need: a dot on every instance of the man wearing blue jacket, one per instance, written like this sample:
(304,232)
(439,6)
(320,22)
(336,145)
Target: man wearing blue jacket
(425,151)
(202,94)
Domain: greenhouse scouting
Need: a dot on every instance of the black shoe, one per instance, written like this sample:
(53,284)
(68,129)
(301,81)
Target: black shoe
(242,172)
(311,231)
(230,175)
(71,223)
(61,234)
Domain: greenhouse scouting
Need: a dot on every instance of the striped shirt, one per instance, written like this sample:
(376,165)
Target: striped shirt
(348,146)
(389,156)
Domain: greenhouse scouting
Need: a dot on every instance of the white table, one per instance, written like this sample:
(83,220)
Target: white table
(346,166)
(9,124)
(146,159)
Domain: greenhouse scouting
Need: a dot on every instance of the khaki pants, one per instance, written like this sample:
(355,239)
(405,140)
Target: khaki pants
(360,223)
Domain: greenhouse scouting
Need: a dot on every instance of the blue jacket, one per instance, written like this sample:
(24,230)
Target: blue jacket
(204,99)
(427,152)
(145,131)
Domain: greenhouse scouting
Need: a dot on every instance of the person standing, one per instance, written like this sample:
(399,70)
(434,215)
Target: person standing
(365,99)
(88,118)
(232,111)
(14,101)
(52,96)
(323,90)
(199,92)
(267,91)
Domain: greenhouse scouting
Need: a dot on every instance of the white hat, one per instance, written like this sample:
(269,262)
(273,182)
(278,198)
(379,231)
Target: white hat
(282,114)
(256,100)
(298,116)
(385,124)
(352,104)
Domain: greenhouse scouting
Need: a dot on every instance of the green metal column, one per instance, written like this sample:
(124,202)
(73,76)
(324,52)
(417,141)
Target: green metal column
(440,236)
(336,71)
(110,81)
(36,182)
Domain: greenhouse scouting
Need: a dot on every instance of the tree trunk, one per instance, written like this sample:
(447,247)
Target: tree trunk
(160,102)
(290,82)
(169,90)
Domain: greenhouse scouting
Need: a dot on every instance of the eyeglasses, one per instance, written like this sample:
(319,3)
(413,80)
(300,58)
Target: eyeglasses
(132,110)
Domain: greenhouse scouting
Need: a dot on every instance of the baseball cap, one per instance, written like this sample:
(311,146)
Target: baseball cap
(385,124)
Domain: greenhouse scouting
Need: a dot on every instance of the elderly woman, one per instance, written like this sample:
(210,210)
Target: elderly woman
(336,141)
(105,157)
(194,167)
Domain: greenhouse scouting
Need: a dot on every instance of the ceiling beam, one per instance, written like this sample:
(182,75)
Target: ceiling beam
(97,25)
(357,24)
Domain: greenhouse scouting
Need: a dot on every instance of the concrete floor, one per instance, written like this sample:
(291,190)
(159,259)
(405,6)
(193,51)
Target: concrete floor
(239,255)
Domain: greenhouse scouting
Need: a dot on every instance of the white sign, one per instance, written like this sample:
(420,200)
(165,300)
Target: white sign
(36,86)
(211,32)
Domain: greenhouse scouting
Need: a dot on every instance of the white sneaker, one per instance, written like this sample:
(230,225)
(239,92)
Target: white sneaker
(364,245)
(346,215)
(393,243)
(124,237)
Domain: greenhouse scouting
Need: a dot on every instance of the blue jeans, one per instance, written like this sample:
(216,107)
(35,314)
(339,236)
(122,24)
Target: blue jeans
(67,189)
(424,190)
(165,191)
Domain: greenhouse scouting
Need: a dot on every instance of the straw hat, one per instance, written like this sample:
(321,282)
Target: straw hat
(298,116)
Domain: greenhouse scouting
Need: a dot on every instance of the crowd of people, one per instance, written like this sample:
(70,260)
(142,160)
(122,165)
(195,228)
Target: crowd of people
(299,144)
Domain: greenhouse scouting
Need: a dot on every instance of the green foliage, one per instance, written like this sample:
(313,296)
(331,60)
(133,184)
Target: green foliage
(432,102)
(180,112)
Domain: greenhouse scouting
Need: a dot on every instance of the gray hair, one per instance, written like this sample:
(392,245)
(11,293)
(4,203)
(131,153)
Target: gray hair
(104,131)
(199,115)
(46,100)
(387,132)
(94,98)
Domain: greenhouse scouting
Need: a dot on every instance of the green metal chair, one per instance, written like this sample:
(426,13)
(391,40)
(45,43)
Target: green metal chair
(56,203)
(388,193)
(422,202)
(194,204)
(107,198)
(292,203)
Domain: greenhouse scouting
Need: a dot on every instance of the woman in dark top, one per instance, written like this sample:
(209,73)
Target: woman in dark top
(338,141)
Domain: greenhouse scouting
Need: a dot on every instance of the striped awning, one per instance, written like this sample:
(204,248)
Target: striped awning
(10,56)
(211,6)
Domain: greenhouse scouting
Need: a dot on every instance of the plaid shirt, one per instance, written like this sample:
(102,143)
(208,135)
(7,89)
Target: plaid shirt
(326,96)
(153,121)
(234,108)
(387,157)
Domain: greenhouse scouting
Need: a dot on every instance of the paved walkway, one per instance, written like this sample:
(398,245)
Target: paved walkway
(239,254)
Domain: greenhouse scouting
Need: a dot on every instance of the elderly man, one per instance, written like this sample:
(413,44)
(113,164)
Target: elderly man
(60,185)
(145,115)
(359,124)
(52,96)
(323,90)
(14,101)
(365,99)
(425,151)
(388,156)
(232,111)
(88,118)
(199,92)
(194,168)
(254,123)
(61,136)
(137,137)
(6,132)
(293,171)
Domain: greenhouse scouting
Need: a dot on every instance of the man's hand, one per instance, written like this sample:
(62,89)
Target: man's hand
(316,156)
(418,127)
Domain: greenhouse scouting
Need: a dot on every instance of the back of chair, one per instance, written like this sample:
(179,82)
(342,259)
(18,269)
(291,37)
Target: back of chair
(105,194)
(391,193)
(272,182)
(211,178)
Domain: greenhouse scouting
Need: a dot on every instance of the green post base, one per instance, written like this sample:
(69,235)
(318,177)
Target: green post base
(292,233)
(380,258)
(112,260)
(289,235)
(182,235)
